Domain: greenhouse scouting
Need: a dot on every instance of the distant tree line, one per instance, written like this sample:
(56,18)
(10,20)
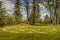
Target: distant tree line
(33,17)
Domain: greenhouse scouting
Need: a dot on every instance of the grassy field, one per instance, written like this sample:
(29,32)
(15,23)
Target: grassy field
(30,32)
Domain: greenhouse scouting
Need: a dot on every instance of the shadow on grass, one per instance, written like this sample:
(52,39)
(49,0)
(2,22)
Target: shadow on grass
(28,36)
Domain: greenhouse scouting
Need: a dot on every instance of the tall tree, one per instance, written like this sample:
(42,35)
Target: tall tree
(50,7)
(56,12)
(32,16)
(35,14)
(0,4)
(37,11)
(2,15)
(27,9)
(17,12)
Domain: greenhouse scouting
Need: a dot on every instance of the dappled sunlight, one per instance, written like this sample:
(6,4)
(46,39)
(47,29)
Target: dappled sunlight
(26,28)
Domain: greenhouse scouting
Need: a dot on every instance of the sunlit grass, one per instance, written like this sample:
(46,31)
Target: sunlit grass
(24,28)
(30,32)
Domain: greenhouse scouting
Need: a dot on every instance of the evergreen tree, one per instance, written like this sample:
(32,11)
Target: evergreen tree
(2,15)
(35,14)
(17,13)
(47,19)
(9,20)
(50,7)
(56,12)
(37,11)
(27,9)
(32,15)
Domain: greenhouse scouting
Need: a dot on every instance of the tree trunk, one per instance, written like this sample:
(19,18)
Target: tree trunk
(34,8)
(56,12)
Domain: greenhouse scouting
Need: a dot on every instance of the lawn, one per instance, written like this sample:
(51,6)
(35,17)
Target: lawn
(30,32)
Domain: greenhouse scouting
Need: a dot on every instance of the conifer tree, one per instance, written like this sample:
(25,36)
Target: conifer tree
(47,19)
(27,9)
(2,15)
(17,12)
(56,11)
(35,14)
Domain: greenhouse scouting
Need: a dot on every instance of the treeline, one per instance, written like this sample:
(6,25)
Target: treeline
(33,17)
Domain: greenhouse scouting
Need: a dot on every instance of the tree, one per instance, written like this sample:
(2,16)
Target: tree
(9,20)
(0,4)
(37,11)
(17,13)
(47,19)
(27,9)
(35,14)
(56,12)
(2,15)
(32,15)
(50,7)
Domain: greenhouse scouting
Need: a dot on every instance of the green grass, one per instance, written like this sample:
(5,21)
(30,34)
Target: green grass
(30,32)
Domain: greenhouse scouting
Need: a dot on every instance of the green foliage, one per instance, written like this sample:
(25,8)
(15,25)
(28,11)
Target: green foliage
(47,19)
(27,9)
(9,20)
(2,15)
(0,4)
(17,13)
(35,14)
(31,18)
